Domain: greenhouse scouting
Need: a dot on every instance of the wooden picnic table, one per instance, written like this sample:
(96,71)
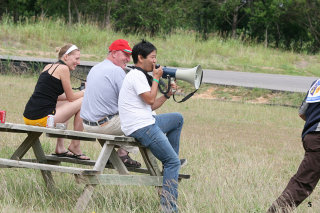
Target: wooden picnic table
(108,158)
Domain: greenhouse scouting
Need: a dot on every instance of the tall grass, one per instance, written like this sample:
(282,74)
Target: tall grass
(240,156)
(180,48)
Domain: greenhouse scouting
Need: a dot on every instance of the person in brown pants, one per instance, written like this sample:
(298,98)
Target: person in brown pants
(305,180)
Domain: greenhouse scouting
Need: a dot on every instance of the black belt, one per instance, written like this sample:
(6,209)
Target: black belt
(100,122)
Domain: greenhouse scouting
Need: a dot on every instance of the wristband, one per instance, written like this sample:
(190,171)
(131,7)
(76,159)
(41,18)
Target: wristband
(166,96)
(156,80)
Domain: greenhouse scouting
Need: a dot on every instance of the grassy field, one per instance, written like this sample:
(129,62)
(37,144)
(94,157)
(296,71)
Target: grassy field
(180,48)
(240,156)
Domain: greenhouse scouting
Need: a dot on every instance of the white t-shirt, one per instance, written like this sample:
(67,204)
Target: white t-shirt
(134,112)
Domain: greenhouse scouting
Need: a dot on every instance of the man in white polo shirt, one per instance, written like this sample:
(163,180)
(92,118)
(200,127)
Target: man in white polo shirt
(99,109)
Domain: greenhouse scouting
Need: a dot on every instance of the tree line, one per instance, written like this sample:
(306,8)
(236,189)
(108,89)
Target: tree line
(285,24)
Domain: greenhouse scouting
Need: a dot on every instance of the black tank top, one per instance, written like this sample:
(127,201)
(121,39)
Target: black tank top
(44,98)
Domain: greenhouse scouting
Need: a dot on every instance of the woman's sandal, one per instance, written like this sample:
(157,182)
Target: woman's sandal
(79,156)
(129,162)
(67,154)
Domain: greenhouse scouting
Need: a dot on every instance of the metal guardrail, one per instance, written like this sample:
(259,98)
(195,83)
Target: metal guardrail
(37,64)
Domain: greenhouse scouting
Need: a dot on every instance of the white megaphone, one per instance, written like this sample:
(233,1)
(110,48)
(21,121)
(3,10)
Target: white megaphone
(193,76)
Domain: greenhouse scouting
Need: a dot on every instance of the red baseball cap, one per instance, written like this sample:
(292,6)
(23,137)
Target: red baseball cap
(122,45)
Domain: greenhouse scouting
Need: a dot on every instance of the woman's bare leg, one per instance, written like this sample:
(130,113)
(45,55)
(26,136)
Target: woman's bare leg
(60,145)
(64,111)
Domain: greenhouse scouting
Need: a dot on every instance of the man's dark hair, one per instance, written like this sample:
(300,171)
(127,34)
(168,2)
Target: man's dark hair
(143,48)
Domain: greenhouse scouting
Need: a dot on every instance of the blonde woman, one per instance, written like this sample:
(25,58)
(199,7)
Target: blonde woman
(53,95)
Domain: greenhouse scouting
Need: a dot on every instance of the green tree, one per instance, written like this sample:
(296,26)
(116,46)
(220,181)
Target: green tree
(233,13)
(146,17)
(312,22)
(20,9)
(299,25)
(265,16)
(202,15)
(288,24)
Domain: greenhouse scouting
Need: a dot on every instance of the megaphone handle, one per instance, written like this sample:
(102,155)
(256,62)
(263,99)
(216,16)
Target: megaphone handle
(173,82)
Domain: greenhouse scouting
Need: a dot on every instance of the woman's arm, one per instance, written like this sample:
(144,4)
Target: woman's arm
(66,84)
(62,97)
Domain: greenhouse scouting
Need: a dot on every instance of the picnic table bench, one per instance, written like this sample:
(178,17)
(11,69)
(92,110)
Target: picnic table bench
(108,158)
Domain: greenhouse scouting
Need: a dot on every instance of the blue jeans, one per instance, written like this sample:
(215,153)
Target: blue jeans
(163,138)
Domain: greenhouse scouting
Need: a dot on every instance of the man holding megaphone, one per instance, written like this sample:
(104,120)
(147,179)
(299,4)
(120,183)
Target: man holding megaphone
(160,133)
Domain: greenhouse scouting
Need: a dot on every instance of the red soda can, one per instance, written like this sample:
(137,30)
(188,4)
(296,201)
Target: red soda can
(50,121)
(2,117)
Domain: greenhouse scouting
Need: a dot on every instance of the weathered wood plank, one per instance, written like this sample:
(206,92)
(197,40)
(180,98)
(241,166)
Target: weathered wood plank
(123,143)
(56,160)
(13,130)
(85,197)
(72,137)
(74,160)
(62,133)
(63,169)
(118,164)
(15,127)
(58,133)
(152,165)
(146,160)
(115,179)
(153,161)
(115,160)
(90,177)
(47,176)
(26,145)
(103,157)
(99,165)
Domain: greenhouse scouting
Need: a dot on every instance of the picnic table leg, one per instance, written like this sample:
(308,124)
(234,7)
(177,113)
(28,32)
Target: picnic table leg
(118,164)
(84,198)
(151,161)
(47,176)
(103,156)
(26,145)
(116,161)
(101,162)
(152,165)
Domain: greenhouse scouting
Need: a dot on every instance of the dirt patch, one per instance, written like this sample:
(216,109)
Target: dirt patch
(260,100)
(302,64)
(208,94)
(212,93)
